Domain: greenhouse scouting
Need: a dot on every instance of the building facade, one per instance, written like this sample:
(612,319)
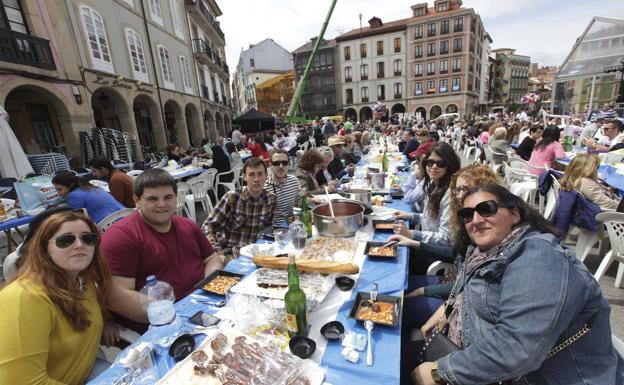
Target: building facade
(485,94)
(321,96)
(373,68)
(274,95)
(446,61)
(259,63)
(512,75)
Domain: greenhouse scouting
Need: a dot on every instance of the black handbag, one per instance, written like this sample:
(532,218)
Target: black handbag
(436,346)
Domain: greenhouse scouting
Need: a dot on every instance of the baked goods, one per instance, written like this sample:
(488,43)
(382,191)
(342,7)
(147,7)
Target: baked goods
(376,311)
(311,266)
(387,251)
(324,248)
(384,226)
(220,284)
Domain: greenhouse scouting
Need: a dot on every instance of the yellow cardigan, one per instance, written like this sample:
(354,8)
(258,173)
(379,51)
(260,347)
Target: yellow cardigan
(37,343)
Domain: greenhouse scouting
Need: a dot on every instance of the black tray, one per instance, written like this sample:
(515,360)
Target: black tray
(365,296)
(378,221)
(215,274)
(370,244)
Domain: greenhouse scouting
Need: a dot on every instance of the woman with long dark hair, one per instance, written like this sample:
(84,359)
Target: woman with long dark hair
(221,162)
(52,322)
(524,308)
(80,194)
(546,151)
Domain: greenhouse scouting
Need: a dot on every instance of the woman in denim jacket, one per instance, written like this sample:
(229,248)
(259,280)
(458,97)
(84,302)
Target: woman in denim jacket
(518,296)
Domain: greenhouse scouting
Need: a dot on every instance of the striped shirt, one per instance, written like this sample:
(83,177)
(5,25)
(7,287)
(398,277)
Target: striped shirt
(288,193)
(608,114)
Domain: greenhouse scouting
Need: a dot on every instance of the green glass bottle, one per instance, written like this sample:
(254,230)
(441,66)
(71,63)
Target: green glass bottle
(295,303)
(305,216)
(384,162)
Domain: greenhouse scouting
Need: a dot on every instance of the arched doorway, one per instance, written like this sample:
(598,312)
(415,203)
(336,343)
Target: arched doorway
(175,124)
(397,109)
(366,114)
(149,123)
(40,120)
(210,129)
(421,113)
(350,113)
(219,124)
(193,124)
(434,112)
(451,109)
(110,110)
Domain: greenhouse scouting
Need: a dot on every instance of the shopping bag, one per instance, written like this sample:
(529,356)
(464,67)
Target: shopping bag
(37,192)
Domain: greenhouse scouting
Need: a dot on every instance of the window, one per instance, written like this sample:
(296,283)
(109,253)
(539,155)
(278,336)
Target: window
(418,51)
(317,100)
(381,92)
(444,47)
(443,66)
(252,62)
(431,29)
(185,68)
(380,48)
(397,67)
(431,49)
(431,68)
(347,53)
(418,32)
(364,72)
(398,90)
(455,84)
(363,50)
(457,64)
(349,96)
(137,56)
(328,82)
(458,24)
(12,17)
(348,74)
(364,94)
(176,18)
(156,11)
(443,85)
(418,69)
(418,89)
(444,27)
(165,67)
(96,37)
(419,11)
(457,45)
(381,70)
(431,86)
(442,7)
(397,45)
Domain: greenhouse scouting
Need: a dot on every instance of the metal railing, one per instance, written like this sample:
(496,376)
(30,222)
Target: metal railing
(206,12)
(21,48)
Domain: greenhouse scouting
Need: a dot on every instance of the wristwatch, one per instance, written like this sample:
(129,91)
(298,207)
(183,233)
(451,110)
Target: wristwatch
(435,375)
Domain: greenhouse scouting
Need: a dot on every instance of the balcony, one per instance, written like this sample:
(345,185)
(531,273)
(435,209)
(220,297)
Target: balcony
(430,73)
(348,80)
(364,100)
(380,75)
(202,14)
(417,75)
(398,73)
(459,28)
(431,90)
(456,69)
(205,55)
(364,77)
(443,72)
(444,52)
(418,56)
(381,97)
(398,96)
(21,48)
(444,31)
(457,49)
(430,54)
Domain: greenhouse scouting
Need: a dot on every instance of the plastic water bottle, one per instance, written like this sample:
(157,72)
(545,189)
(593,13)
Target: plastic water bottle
(157,298)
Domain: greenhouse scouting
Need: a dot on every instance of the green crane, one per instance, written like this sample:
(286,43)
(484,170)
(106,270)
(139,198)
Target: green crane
(294,104)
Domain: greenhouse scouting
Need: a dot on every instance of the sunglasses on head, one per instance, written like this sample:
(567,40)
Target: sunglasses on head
(440,163)
(485,209)
(65,240)
(280,163)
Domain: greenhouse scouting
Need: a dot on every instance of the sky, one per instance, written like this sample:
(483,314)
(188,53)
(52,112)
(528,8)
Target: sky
(543,29)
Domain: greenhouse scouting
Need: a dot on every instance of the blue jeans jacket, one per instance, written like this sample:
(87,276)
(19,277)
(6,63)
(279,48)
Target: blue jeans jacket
(519,306)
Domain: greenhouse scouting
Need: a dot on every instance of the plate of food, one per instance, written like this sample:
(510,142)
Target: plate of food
(383,225)
(219,282)
(385,310)
(380,250)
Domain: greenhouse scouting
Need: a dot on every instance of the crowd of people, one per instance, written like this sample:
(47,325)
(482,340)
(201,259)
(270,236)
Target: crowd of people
(512,295)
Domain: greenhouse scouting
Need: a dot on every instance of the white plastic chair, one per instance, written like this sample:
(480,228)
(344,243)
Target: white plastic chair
(112,218)
(551,198)
(134,173)
(200,186)
(438,267)
(230,186)
(469,147)
(618,345)
(614,222)
(181,206)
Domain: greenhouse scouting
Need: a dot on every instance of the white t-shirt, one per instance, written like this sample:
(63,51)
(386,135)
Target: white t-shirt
(605,141)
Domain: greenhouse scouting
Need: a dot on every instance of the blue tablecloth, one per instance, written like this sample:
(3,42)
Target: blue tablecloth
(15,222)
(186,174)
(609,173)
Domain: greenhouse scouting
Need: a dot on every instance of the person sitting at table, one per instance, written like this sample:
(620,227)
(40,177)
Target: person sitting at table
(411,143)
(336,168)
(119,184)
(205,151)
(613,136)
(80,194)
(526,146)
(518,299)
(347,151)
(154,241)
(176,153)
(284,186)
(359,149)
(240,215)
(499,145)
(413,192)
(221,161)
(581,175)
(513,134)
(309,166)
(593,130)
(258,149)
(323,176)
(52,320)
(235,158)
(427,140)
(546,151)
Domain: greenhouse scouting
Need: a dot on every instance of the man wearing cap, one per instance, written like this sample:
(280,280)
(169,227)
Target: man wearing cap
(336,168)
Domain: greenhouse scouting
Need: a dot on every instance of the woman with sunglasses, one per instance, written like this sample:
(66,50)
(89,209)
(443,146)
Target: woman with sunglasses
(519,297)
(51,321)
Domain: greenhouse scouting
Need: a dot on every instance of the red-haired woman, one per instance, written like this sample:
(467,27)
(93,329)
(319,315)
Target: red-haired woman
(51,321)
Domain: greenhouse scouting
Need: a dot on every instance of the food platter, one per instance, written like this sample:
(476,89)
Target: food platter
(219,282)
(388,312)
(385,225)
(377,250)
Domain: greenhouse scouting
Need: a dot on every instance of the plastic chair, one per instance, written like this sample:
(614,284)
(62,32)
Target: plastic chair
(230,186)
(9,266)
(551,198)
(181,206)
(134,173)
(112,218)
(618,345)
(437,268)
(199,190)
(614,222)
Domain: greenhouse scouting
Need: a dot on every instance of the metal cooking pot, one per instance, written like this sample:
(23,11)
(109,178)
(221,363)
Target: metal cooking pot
(349,218)
(377,180)
(360,195)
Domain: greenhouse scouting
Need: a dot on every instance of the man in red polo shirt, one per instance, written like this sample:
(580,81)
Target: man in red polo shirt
(154,241)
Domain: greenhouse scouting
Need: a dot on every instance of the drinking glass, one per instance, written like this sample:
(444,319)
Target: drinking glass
(282,237)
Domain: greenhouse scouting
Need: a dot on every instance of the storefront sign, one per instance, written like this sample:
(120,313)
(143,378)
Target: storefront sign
(116,83)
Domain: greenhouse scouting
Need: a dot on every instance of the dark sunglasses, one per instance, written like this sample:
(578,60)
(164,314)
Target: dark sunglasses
(280,163)
(440,163)
(485,209)
(66,240)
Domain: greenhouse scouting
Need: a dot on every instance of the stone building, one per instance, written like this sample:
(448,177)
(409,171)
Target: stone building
(512,76)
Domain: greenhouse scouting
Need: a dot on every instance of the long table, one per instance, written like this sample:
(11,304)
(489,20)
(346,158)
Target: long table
(610,175)
(391,276)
